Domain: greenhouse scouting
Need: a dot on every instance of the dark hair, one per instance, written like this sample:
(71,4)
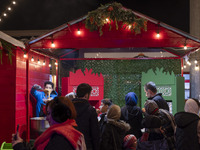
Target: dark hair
(48,82)
(61,109)
(150,86)
(107,101)
(83,89)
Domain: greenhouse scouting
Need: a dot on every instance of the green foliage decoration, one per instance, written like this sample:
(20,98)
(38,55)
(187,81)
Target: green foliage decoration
(123,76)
(8,48)
(116,13)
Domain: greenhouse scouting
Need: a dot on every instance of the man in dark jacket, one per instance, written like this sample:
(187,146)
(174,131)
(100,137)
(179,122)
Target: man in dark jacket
(86,117)
(151,93)
(132,114)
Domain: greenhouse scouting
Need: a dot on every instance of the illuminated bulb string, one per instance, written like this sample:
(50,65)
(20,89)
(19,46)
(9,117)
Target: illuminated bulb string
(7,10)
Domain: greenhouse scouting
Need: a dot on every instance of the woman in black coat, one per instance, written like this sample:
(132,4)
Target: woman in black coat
(114,130)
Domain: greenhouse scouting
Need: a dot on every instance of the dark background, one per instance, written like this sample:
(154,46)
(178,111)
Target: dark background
(49,14)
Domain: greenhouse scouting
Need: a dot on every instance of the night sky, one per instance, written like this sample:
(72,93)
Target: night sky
(49,14)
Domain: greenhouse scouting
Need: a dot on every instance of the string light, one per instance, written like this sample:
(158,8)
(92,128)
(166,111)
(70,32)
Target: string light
(188,63)
(25,56)
(52,44)
(79,32)
(56,63)
(49,64)
(32,59)
(44,63)
(196,67)
(185,45)
(38,61)
(195,61)
(184,66)
(158,31)
(7,10)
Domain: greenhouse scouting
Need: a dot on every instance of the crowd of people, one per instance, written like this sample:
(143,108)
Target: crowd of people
(76,125)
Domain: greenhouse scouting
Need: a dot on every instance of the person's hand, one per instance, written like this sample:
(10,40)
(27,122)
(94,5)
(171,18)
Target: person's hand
(46,92)
(16,139)
(143,110)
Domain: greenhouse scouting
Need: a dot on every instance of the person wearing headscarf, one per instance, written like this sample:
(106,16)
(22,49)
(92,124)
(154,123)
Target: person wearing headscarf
(132,114)
(160,124)
(188,126)
(114,130)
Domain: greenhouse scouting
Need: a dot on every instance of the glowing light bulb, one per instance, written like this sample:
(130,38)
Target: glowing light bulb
(0,19)
(25,56)
(53,45)
(56,63)
(196,67)
(184,66)
(158,35)
(49,64)
(38,61)
(14,2)
(195,61)
(4,14)
(185,47)
(79,32)
(9,8)
(107,19)
(32,59)
(188,63)
(129,27)
(43,63)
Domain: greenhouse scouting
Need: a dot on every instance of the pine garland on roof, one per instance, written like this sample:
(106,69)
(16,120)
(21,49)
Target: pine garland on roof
(116,13)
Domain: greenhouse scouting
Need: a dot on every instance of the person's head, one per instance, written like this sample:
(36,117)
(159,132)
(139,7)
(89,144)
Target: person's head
(150,89)
(130,142)
(59,110)
(71,95)
(114,112)
(192,106)
(83,91)
(48,85)
(151,107)
(131,99)
(105,104)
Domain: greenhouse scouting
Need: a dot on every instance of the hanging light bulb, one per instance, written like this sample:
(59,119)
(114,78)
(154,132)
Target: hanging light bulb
(129,27)
(9,8)
(49,64)
(32,59)
(44,63)
(25,56)
(188,63)
(185,47)
(38,61)
(52,44)
(14,2)
(56,63)
(184,66)
(195,61)
(0,20)
(158,35)
(79,32)
(196,67)
(4,14)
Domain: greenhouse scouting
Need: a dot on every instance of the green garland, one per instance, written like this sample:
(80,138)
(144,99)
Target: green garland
(116,13)
(8,48)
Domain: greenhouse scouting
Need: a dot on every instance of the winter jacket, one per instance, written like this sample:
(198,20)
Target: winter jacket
(57,142)
(87,123)
(161,102)
(113,135)
(59,136)
(133,116)
(186,131)
(39,96)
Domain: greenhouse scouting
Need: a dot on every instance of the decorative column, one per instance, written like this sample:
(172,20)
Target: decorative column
(195,31)
(195,75)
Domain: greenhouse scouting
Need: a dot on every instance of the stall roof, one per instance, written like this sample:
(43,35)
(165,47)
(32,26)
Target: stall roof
(67,40)
(11,40)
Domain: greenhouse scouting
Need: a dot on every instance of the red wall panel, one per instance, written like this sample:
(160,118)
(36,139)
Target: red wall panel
(7,100)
